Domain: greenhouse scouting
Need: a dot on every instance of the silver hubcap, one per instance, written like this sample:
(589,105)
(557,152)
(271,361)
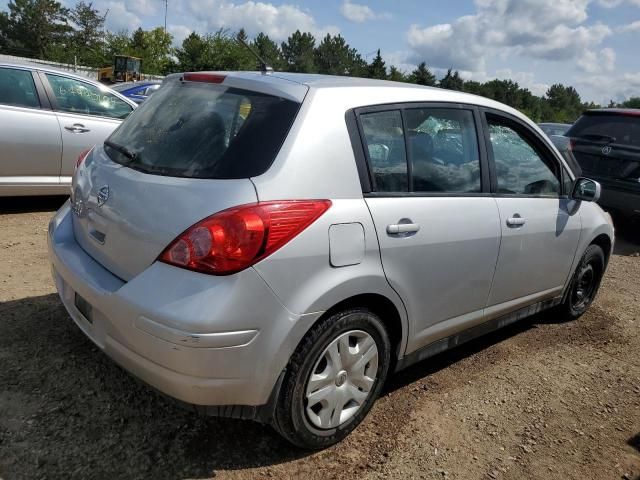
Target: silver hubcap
(341,379)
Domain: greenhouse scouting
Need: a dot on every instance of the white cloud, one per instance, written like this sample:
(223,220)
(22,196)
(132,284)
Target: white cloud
(179,32)
(631,27)
(594,62)
(542,29)
(142,7)
(617,3)
(119,16)
(609,87)
(276,21)
(358,13)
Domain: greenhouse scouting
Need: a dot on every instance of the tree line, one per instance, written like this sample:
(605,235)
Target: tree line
(47,30)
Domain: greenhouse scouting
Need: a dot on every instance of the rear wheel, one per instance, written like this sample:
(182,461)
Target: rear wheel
(585,283)
(333,378)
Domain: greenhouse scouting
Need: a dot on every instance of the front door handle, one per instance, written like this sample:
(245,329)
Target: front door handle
(77,128)
(515,221)
(402,228)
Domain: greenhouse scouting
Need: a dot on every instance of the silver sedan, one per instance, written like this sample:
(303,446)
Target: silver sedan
(47,119)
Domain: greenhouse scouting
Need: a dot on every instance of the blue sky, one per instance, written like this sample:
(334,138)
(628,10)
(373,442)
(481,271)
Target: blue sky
(591,44)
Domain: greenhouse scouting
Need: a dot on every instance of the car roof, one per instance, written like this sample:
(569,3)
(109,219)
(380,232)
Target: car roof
(554,124)
(614,111)
(378,92)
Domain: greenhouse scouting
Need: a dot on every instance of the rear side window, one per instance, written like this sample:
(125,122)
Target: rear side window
(17,88)
(74,96)
(422,150)
(619,129)
(520,169)
(443,149)
(384,138)
(199,130)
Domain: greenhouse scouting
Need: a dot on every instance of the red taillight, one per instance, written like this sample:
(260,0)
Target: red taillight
(203,77)
(82,157)
(237,238)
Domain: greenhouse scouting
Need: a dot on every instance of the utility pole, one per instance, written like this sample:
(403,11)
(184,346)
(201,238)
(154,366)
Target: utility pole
(166,6)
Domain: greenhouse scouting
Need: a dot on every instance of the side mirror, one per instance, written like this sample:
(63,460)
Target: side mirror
(586,190)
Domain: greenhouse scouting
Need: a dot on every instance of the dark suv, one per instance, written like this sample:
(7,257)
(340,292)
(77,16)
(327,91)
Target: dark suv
(606,144)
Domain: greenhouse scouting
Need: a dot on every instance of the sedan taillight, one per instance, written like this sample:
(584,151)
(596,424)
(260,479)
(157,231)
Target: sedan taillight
(234,239)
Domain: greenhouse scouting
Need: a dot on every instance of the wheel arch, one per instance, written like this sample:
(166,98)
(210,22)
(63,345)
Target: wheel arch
(604,242)
(383,307)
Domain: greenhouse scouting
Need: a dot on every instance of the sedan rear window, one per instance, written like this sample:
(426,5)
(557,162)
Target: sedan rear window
(608,128)
(198,130)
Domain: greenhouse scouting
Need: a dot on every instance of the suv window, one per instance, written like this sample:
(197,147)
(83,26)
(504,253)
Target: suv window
(17,88)
(75,96)
(520,169)
(384,138)
(200,130)
(443,150)
(606,127)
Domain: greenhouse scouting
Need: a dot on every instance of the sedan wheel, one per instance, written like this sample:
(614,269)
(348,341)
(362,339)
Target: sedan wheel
(333,378)
(341,379)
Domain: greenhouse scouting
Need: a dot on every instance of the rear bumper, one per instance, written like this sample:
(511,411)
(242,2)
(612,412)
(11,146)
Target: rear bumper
(202,339)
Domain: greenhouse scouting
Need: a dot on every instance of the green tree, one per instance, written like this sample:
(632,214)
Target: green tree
(86,40)
(269,51)
(377,68)
(565,103)
(192,54)
(35,26)
(452,81)
(396,75)
(298,53)
(633,102)
(334,57)
(4,30)
(423,76)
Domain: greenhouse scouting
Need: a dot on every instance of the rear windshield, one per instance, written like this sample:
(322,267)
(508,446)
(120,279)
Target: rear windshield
(196,130)
(620,129)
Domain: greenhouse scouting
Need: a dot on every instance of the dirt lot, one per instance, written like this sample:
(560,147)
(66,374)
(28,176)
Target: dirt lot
(540,399)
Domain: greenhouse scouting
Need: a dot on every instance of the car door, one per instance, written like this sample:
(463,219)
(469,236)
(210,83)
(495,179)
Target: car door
(436,221)
(540,223)
(30,143)
(87,114)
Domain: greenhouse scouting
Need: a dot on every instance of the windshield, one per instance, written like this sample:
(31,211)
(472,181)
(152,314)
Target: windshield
(196,130)
(608,128)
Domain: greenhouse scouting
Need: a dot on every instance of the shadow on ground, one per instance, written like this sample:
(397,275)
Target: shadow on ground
(31,204)
(67,411)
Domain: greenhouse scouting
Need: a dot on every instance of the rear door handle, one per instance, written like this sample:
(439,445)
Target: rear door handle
(516,221)
(77,128)
(402,228)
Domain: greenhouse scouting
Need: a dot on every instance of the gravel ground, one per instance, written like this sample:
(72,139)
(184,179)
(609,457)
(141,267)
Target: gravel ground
(540,399)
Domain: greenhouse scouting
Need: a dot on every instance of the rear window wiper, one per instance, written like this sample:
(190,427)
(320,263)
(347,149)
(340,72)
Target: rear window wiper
(597,137)
(122,149)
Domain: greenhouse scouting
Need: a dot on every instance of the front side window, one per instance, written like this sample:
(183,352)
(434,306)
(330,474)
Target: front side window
(17,88)
(520,169)
(75,96)
(443,150)
(384,137)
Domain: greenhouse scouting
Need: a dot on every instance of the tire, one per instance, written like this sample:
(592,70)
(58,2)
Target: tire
(584,283)
(339,352)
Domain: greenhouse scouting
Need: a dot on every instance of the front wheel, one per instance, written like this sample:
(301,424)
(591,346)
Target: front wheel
(584,284)
(333,378)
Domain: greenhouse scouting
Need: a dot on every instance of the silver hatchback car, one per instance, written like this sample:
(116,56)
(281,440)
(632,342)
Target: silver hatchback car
(273,246)
(47,118)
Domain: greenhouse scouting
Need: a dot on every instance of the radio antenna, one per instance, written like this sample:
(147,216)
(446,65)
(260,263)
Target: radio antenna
(264,66)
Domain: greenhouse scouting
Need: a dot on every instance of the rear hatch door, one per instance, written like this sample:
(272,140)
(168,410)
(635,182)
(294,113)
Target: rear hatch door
(607,147)
(186,153)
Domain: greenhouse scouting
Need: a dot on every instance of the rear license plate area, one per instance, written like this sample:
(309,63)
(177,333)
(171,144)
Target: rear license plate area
(84,308)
